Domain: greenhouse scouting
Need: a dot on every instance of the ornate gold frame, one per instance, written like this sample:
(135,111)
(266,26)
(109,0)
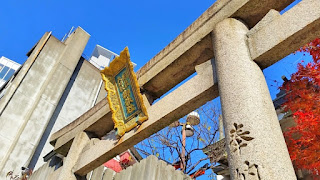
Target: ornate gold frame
(118,114)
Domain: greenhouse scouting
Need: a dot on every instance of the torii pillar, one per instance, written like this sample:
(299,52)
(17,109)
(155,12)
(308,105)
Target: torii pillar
(255,144)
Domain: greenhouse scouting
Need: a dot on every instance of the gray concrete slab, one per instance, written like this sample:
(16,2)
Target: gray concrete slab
(286,34)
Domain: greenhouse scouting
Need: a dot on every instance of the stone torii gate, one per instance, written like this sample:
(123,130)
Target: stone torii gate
(242,37)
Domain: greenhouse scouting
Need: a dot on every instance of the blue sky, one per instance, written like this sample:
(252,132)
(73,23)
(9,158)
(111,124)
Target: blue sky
(145,27)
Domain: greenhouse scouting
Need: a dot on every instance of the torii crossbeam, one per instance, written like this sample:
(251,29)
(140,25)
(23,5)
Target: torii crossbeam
(242,37)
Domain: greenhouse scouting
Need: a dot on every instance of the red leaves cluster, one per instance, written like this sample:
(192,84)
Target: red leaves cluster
(303,100)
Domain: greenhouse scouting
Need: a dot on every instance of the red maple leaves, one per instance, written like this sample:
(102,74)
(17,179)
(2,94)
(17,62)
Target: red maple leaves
(303,100)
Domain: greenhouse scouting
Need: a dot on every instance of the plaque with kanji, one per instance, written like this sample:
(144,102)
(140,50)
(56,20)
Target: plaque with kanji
(125,100)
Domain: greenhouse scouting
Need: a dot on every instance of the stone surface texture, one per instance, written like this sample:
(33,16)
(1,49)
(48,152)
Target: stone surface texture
(269,17)
(243,91)
(80,141)
(286,33)
(189,96)
(193,46)
(255,144)
(150,168)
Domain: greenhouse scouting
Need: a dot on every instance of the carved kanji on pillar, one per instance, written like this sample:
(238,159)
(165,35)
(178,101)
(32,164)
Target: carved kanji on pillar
(249,171)
(239,137)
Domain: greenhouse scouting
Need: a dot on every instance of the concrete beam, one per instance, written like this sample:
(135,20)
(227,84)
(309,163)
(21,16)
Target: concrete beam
(80,141)
(96,121)
(286,33)
(189,96)
(193,46)
(176,61)
(78,121)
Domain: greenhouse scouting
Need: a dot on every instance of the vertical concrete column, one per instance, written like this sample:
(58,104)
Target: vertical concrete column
(79,142)
(221,133)
(255,144)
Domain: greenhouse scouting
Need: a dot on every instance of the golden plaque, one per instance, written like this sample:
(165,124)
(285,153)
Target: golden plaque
(124,97)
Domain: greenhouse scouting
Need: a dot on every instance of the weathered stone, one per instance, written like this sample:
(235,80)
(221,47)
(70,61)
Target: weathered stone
(177,60)
(193,46)
(80,141)
(255,144)
(108,174)
(178,103)
(244,95)
(268,18)
(286,33)
(97,173)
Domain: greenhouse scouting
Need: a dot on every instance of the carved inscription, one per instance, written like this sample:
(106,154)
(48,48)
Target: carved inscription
(124,98)
(115,102)
(250,171)
(125,92)
(239,137)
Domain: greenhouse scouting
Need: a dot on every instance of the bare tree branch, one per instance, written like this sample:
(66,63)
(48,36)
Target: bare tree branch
(167,143)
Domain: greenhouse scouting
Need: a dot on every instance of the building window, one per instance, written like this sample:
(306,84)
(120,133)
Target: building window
(9,74)
(4,72)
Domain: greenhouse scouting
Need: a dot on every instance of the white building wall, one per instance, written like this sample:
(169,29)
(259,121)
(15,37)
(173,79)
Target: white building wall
(7,69)
(101,57)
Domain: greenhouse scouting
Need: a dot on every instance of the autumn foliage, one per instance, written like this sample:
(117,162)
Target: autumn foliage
(303,100)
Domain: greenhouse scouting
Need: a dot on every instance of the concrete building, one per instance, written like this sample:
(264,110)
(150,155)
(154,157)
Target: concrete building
(101,57)
(7,69)
(54,87)
(77,99)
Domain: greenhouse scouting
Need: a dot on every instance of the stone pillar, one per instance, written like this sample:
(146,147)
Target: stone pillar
(79,142)
(221,133)
(255,144)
